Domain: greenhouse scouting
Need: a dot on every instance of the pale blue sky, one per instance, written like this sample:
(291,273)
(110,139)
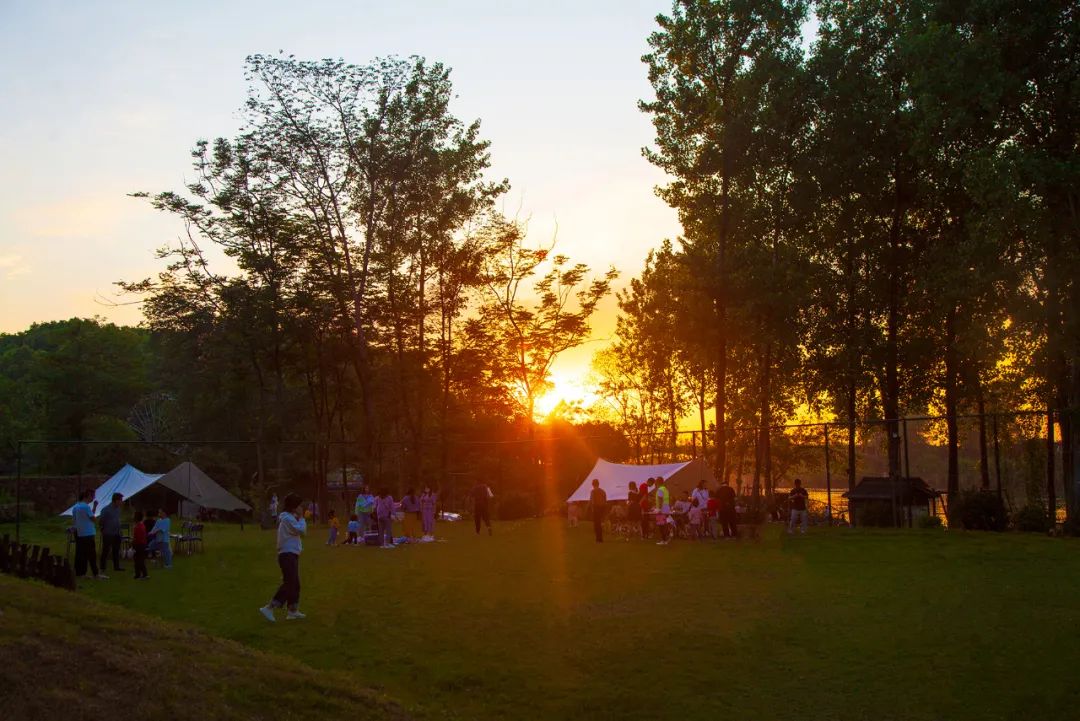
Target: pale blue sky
(104,98)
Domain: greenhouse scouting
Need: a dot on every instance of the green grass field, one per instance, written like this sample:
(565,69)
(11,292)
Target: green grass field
(541,622)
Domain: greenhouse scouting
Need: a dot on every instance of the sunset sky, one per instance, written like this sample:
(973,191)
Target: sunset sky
(102,99)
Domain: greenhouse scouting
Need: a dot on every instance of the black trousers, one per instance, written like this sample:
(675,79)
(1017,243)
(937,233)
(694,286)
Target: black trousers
(644,526)
(85,553)
(110,546)
(288,593)
(481,513)
(727,524)
(140,561)
(598,527)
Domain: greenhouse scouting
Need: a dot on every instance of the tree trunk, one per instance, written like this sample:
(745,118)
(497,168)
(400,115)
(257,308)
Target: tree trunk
(1051,490)
(766,422)
(984,454)
(951,373)
(851,435)
(721,324)
(701,420)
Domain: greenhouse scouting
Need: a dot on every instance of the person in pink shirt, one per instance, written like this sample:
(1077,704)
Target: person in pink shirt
(384,512)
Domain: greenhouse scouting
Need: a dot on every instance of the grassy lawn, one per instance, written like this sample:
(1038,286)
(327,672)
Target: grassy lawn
(540,622)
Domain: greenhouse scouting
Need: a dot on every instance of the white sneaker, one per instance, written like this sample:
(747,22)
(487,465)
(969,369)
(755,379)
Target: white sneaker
(268,613)
(294,616)
(101,577)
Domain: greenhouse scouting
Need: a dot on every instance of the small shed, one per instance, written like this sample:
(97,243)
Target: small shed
(885,501)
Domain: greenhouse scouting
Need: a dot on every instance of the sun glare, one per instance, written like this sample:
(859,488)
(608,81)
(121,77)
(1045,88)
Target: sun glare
(566,388)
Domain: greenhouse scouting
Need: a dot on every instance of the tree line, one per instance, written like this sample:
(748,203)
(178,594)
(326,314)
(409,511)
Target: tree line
(343,275)
(879,204)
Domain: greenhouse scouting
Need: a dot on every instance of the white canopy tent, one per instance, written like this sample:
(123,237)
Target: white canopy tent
(187,479)
(615,478)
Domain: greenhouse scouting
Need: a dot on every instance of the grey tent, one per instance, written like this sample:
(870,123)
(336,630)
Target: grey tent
(189,481)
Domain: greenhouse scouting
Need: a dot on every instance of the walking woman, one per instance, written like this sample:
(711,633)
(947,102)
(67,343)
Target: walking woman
(291,528)
(428,501)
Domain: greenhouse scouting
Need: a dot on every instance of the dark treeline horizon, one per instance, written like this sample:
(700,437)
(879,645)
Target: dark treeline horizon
(881,224)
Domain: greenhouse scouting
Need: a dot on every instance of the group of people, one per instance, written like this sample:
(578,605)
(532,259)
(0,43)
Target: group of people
(149,534)
(700,513)
(374,514)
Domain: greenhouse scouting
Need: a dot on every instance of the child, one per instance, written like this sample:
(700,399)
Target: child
(695,520)
(354,530)
(384,512)
(138,545)
(332,519)
(291,527)
(428,501)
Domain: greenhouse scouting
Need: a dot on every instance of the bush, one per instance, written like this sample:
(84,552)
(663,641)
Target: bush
(1071,526)
(978,511)
(929,522)
(515,506)
(1031,519)
(876,513)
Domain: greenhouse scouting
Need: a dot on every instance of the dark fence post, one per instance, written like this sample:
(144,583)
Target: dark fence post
(18,492)
(997,456)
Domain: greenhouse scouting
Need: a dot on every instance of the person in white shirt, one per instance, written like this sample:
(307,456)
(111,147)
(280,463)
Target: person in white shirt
(291,528)
(700,498)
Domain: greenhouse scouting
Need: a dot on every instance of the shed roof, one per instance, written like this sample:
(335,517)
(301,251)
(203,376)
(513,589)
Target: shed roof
(883,488)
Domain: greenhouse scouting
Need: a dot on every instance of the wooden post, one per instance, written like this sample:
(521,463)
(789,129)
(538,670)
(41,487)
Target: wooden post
(997,456)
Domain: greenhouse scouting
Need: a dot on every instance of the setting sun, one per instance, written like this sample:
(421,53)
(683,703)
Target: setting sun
(566,387)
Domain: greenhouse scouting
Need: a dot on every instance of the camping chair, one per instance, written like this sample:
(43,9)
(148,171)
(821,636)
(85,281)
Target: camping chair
(70,533)
(125,539)
(191,536)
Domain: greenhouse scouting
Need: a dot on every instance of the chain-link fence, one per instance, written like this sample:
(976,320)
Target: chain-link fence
(1002,453)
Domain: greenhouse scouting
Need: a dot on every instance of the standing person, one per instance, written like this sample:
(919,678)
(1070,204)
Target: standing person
(644,503)
(482,495)
(712,517)
(365,507)
(725,510)
(353,528)
(82,515)
(598,508)
(138,545)
(428,502)
(797,498)
(109,520)
(384,512)
(663,511)
(291,528)
(410,510)
(273,507)
(633,505)
(701,494)
(694,515)
(160,537)
(334,525)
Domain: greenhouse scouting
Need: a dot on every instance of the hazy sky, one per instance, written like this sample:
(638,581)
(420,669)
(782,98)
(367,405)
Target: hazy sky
(104,98)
